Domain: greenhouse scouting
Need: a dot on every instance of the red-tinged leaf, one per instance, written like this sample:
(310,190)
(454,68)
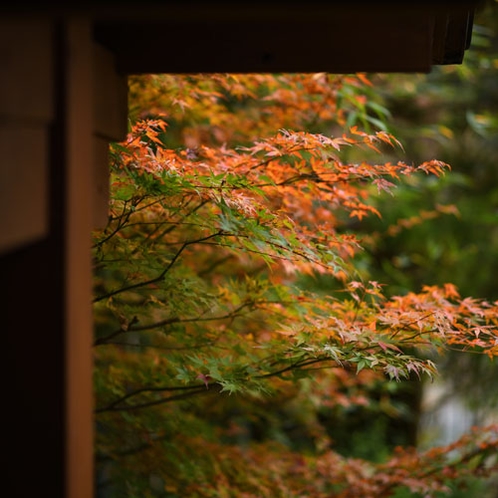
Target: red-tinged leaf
(393,372)
(388,346)
(384,185)
(205,379)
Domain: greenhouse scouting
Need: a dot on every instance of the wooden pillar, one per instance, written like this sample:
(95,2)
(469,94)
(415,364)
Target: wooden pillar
(77,151)
(32,262)
(54,133)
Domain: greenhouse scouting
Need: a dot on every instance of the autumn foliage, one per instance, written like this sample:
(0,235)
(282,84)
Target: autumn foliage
(231,194)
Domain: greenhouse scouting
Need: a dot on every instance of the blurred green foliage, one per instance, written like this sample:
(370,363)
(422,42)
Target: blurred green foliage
(450,114)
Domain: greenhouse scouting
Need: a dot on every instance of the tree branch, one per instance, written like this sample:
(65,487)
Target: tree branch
(161,275)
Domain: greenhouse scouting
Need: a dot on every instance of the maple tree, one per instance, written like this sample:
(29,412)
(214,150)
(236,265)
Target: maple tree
(230,197)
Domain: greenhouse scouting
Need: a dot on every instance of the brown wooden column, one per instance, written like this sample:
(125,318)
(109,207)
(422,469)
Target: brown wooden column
(77,116)
(61,102)
(95,112)
(32,262)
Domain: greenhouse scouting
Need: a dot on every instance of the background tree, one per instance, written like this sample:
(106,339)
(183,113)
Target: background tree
(232,315)
(450,112)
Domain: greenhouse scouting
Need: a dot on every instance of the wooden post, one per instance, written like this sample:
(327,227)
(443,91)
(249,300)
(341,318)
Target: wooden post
(51,137)
(32,260)
(77,115)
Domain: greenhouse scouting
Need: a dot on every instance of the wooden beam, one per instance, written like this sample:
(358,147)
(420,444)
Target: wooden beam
(301,37)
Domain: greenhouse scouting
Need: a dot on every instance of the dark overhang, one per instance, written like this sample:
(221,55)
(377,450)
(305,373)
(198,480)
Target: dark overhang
(183,36)
(292,37)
